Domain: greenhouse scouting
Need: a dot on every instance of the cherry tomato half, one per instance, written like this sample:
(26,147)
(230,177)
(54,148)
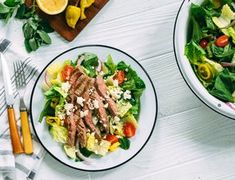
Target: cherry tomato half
(66,72)
(203,43)
(120,76)
(222,41)
(129,129)
(111,138)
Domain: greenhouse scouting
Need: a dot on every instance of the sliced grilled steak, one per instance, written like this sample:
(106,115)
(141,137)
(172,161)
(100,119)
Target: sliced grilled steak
(76,73)
(102,91)
(72,126)
(88,117)
(82,85)
(81,132)
(101,111)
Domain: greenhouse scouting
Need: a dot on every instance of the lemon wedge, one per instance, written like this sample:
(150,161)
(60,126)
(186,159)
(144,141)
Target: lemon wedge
(52,7)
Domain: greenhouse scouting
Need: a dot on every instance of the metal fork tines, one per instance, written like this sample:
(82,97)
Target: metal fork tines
(4,44)
(20,81)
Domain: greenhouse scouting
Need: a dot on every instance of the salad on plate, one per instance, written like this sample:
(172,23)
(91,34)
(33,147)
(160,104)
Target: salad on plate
(91,107)
(210,47)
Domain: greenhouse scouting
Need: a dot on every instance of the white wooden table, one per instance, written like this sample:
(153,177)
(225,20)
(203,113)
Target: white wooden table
(190,141)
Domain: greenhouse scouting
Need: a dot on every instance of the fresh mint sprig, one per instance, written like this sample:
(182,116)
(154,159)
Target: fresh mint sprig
(35,29)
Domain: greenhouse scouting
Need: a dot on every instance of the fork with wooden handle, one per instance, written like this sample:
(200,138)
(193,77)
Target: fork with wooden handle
(9,94)
(19,69)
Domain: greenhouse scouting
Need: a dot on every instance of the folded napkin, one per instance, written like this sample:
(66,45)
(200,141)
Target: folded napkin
(20,166)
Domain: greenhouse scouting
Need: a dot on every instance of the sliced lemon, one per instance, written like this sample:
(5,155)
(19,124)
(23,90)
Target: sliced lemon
(52,7)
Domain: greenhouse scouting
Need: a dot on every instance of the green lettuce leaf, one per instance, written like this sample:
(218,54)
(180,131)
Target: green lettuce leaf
(194,52)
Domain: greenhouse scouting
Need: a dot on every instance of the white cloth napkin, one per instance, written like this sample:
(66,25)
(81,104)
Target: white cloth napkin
(19,167)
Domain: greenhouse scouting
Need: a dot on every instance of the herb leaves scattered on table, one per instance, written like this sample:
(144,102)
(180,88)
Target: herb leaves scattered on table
(35,29)
(211,47)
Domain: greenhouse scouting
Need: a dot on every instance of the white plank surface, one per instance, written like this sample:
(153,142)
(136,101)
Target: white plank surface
(190,141)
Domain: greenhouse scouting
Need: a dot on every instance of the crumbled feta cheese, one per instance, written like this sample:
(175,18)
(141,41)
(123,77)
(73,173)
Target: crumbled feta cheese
(126,69)
(115,83)
(61,115)
(69,108)
(127,94)
(95,120)
(101,73)
(116,93)
(62,122)
(96,104)
(65,86)
(106,105)
(90,104)
(83,113)
(116,119)
(80,101)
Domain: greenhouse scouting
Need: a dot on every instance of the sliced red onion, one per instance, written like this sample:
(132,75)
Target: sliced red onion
(227,64)
(47,81)
(99,66)
(80,59)
(231,105)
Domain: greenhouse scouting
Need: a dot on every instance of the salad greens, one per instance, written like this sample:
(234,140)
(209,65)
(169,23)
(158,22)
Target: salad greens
(210,46)
(121,104)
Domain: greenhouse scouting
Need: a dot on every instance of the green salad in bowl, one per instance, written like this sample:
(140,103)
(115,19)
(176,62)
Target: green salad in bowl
(210,46)
(91,107)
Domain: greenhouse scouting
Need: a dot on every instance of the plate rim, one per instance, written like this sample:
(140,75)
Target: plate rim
(103,46)
(181,72)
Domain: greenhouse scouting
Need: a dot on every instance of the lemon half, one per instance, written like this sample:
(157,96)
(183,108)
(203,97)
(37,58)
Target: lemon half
(52,7)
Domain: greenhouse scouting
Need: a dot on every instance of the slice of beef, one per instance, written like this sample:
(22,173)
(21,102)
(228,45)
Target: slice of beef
(82,86)
(102,91)
(81,133)
(88,117)
(101,111)
(76,73)
(72,126)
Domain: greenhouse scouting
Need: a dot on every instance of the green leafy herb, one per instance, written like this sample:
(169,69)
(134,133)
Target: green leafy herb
(124,143)
(85,152)
(194,52)
(47,111)
(110,66)
(224,86)
(134,84)
(222,54)
(90,63)
(34,29)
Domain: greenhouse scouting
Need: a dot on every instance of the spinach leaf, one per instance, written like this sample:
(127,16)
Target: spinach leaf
(90,63)
(85,152)
(124,143)
(47,110)
(223,54)
(224,86)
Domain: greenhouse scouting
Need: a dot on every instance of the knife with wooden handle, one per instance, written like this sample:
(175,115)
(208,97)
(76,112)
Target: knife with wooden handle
(15,137)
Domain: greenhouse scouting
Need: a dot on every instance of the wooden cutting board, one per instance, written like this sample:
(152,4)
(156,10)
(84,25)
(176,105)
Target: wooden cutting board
(58,22)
